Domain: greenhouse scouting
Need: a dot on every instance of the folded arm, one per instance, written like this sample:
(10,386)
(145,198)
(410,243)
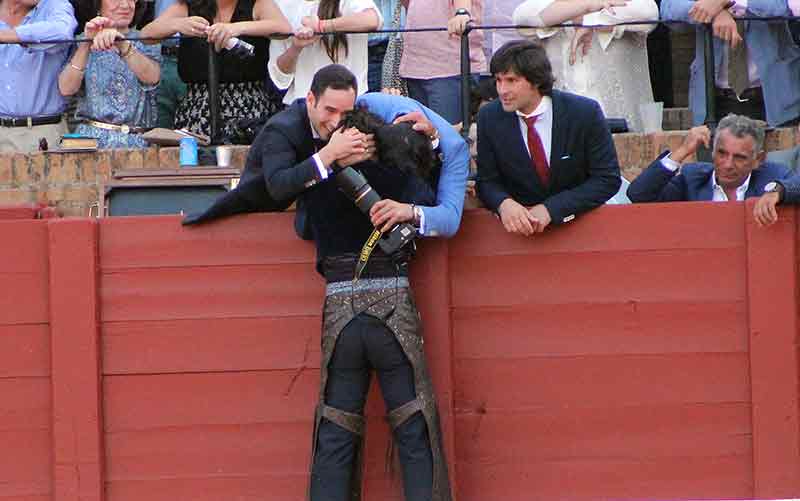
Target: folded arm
(59,25)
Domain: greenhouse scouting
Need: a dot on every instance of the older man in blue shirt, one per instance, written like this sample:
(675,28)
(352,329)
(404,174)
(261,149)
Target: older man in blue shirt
(31,107)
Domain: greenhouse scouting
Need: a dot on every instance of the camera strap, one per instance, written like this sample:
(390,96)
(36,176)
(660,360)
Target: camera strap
(366,252)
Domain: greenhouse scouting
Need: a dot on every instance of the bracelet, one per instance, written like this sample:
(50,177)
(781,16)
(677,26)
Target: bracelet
(127,52)
(76,68)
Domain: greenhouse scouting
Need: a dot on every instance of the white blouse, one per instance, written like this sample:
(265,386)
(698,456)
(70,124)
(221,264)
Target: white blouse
(615,71)
(314,57)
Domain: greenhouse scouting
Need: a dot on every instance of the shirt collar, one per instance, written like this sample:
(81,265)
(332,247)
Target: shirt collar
(740,191)
(544,107)
(314,132)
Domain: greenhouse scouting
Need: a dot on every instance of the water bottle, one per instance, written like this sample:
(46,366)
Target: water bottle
(240,48)
(188,153)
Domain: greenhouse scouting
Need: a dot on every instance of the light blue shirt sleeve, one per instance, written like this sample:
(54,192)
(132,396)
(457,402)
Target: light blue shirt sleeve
(444,218)
(51,20)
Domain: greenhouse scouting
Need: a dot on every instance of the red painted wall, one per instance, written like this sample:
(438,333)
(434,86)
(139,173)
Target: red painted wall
(641,352)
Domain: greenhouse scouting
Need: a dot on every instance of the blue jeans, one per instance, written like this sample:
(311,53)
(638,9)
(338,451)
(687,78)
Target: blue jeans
(442,95)
(375,54)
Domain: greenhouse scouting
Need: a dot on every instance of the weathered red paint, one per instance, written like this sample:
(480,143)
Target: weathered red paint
(641,352)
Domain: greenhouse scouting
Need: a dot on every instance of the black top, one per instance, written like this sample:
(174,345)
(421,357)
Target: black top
(339,227)
(193,54)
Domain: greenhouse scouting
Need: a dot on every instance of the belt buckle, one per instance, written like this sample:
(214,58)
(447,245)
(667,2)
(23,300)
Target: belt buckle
(125,129)
(740,99)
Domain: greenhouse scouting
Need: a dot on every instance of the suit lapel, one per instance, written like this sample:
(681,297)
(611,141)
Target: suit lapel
(305,138)
(706,190)
(558,141)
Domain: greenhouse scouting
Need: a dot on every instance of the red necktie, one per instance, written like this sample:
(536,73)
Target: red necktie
(536,150)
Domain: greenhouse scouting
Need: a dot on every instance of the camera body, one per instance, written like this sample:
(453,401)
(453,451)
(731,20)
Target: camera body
(355,186)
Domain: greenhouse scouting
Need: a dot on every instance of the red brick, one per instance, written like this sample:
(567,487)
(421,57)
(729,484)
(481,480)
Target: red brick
(6,170)
(168,158)
(151,158)
(13,197)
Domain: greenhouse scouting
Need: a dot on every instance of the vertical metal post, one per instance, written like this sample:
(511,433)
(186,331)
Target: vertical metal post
(710,76)
(466,73)
(213,94)
(705,154)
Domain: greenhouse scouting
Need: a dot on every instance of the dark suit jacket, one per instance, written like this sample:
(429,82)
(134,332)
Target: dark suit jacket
(584,172)
(279,167)
(693,183)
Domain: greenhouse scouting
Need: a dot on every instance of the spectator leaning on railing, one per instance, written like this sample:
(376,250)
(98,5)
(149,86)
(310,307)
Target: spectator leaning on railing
(757,65)
(609,63)
(241,90)
(431,62)
(31,108)
(543,155)
(738,171)
(293,62)
(119,77)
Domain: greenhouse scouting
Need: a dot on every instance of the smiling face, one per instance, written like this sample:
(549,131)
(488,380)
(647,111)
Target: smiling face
(516,93)
(734,158)
(326,111)
(119,11)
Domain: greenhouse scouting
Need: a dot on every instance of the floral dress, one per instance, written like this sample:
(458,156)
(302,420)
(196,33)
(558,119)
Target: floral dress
(114,95)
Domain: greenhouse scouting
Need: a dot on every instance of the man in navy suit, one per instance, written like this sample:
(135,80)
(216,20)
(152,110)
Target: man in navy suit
(738,171)
(544,156)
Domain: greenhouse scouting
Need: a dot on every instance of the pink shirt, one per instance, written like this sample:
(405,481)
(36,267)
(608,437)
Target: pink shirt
(434,54)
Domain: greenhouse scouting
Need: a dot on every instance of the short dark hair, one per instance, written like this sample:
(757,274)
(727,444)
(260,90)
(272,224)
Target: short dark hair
(333,76)
(527,59)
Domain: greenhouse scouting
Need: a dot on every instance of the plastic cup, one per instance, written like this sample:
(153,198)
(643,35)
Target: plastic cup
(652,115)
(224,154)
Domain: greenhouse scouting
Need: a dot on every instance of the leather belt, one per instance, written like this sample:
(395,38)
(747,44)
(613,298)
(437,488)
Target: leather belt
(30,121)
(124,128)
(747,94)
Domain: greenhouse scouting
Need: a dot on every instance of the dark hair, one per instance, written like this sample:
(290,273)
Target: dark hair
(333,76)
(398,145)
(207,9)
(86,10)
(527,59)
(329,9)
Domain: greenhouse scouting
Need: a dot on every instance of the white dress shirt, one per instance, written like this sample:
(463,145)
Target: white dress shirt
(543,125)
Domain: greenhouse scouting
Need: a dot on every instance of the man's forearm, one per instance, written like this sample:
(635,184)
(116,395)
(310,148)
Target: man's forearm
(9,36)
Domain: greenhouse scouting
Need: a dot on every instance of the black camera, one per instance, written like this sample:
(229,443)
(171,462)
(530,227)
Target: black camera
(355,186)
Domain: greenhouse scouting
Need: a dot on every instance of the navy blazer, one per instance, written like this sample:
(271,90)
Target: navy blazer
(584,172)
(281,143)
(694,184)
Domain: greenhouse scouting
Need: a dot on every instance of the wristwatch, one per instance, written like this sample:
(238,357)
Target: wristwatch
(416,211)
(462,12)
(774,187)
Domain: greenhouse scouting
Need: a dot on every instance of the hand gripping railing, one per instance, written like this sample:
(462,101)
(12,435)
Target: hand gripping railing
(466,73)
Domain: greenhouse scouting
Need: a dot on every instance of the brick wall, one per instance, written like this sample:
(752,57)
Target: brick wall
(71,182)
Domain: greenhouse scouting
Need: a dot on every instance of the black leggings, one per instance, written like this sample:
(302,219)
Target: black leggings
(364,344)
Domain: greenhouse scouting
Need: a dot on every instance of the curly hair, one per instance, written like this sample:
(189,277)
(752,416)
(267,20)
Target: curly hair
(398,145)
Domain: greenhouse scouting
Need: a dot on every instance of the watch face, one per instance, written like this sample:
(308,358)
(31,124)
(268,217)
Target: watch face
(770,187)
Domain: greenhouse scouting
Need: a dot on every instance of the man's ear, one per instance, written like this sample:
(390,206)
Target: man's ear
(311,100)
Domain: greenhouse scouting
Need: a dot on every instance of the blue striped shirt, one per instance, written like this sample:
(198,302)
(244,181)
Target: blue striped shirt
(29,72)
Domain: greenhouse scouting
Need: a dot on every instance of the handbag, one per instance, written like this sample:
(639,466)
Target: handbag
(390,77)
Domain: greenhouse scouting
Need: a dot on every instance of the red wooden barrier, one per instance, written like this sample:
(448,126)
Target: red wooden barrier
(642,352)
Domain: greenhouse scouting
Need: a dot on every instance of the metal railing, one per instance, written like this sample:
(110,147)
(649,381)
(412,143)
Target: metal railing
(466,73)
